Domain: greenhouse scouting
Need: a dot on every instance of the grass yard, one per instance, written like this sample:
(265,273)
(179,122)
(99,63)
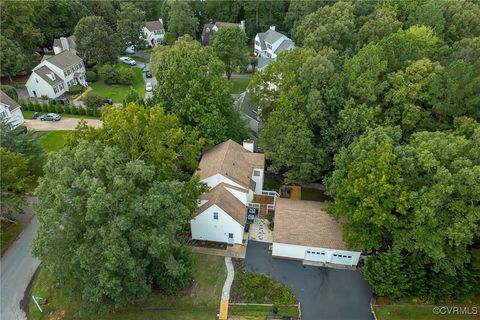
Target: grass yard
(424,312)
(8,234)
(200,304)
(136,58)
(118,92)
(52,140)
(263,311)
(29,115)
(238,85)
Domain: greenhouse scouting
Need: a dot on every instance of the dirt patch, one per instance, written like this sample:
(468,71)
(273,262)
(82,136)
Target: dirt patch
(63,124)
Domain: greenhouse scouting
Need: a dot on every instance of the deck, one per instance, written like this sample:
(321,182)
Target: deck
(264,201)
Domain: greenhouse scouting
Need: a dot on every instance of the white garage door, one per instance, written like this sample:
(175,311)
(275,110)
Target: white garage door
(343,258)
(316,255)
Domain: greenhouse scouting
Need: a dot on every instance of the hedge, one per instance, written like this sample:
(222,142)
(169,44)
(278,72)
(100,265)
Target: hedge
(75,89)
(57,108)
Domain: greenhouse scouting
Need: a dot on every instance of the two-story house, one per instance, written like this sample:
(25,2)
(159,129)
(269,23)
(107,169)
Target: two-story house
(234,176)
(64,43)
(269,44)
(209,29)
(10,110)
(53,76)
(153,32)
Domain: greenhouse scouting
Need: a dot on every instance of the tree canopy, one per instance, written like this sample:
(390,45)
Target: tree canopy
(229,45)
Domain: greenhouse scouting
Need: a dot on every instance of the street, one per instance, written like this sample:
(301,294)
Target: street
(17,268)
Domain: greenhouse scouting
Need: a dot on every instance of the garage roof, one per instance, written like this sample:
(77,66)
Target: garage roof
(306,223)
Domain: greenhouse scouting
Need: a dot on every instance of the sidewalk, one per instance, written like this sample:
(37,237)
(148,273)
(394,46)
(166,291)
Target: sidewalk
(226,289)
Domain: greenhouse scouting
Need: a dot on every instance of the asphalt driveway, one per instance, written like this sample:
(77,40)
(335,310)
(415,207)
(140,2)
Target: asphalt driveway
(324,294)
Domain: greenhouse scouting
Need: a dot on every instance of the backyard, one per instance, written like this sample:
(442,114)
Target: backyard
(118,92)
(238,85)
(52,140)
(200,302)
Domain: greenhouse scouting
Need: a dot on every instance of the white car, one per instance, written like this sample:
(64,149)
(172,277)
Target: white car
(128,61)
(149,86)
(130,49)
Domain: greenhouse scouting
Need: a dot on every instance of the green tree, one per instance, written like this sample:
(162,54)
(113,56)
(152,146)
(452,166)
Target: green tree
(259,15)
(104,9)
(229,45)
(298,9)
(14,176)
(328,27)
(383,21)
(428,14)
(191,85)
(148,134)
(13,60)
(132,96)
(117,232)
(129,24)
(461,19)
(181,20)
(387,274)
(222,10)
(96,42)
(93,100)
(10,91)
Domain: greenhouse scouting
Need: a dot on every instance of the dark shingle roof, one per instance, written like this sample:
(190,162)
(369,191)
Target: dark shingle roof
(154,25)
(285,45)
(6,100)
(64,59)
(247,108)
(71,43)
(44,70)
(263,62)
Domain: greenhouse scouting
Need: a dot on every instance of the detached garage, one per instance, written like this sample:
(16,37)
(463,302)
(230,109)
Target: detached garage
(304,231)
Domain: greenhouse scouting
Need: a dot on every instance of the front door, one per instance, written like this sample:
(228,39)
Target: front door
(230,239)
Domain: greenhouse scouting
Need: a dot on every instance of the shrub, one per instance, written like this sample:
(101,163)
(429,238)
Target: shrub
(58,109)
(44,97)
(75,89)
(52,107)
(108,73)
(10,91)
(76,110)
(91,76)
(125,76)
(93,100)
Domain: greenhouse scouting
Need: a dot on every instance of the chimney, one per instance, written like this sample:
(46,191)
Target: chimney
(242,25)
(64,42)
(248,145)
(272,28)
(161,21)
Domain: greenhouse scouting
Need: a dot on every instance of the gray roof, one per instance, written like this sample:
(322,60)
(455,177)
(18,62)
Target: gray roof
(285,45)
(9,102)
(262,36)
(44,70)
(71,43)
(46,56)
(247,108)
(263,62)
(154,25)
(64,59)
(272,36)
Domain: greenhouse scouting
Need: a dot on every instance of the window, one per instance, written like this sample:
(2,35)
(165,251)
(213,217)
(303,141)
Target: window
(334,255)
(323,253)
(4,114)
(257,43)
(55,90)
(349,256)
(36,80)
(215,215)
(256,173)
(65,73)
(308,251)
(269,46)
(230,235)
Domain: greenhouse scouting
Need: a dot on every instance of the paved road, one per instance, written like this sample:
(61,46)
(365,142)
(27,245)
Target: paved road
(63,124)
(17,268)
(323,293)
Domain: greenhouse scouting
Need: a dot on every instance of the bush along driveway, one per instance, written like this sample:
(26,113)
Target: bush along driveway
(323,293)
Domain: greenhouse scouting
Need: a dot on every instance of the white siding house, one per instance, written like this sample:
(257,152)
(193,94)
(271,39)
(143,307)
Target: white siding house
(269,44)
(64,43)
(55,75)
(233,174)
(304,231)
(10,110)
(153,32)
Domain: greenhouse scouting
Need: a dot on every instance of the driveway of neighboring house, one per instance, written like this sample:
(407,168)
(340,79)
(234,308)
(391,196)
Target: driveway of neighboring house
(323,293)
(63,124)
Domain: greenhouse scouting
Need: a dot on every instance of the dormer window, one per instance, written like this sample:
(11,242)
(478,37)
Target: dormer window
(51,76)
(269,46)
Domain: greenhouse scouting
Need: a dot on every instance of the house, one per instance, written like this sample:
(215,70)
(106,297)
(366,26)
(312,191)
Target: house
(249,112)
(234,175)
(209,29)
(304,231)
(269,44)
(54,75)
(64,43)
(153,32)
(10,110)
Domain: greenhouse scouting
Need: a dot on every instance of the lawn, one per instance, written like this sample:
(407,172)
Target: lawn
(29,115)
(118,92)
(238,85)
(407,312)
(8,234)
(263,311)
(136,58)
(52,140)
(201,304)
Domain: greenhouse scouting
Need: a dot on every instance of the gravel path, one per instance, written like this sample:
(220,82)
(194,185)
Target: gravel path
(63,124)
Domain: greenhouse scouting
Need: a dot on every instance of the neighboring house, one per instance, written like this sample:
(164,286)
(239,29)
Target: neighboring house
(234,176)
(63,44)
(269,44)
(304,231)
(249,112)
(10,110)
(209,29)
(53,76)
(153,32)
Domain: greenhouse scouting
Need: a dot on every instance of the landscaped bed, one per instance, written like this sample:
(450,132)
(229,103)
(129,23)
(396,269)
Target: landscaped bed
(199,301)
(208,244)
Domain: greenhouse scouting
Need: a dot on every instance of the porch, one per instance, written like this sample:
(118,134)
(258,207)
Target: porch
(264,203)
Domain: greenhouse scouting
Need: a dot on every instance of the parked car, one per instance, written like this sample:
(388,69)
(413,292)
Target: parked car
(148,74)
(149,87)
(128,61)
(50,117)
(130,49)
(108,100)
